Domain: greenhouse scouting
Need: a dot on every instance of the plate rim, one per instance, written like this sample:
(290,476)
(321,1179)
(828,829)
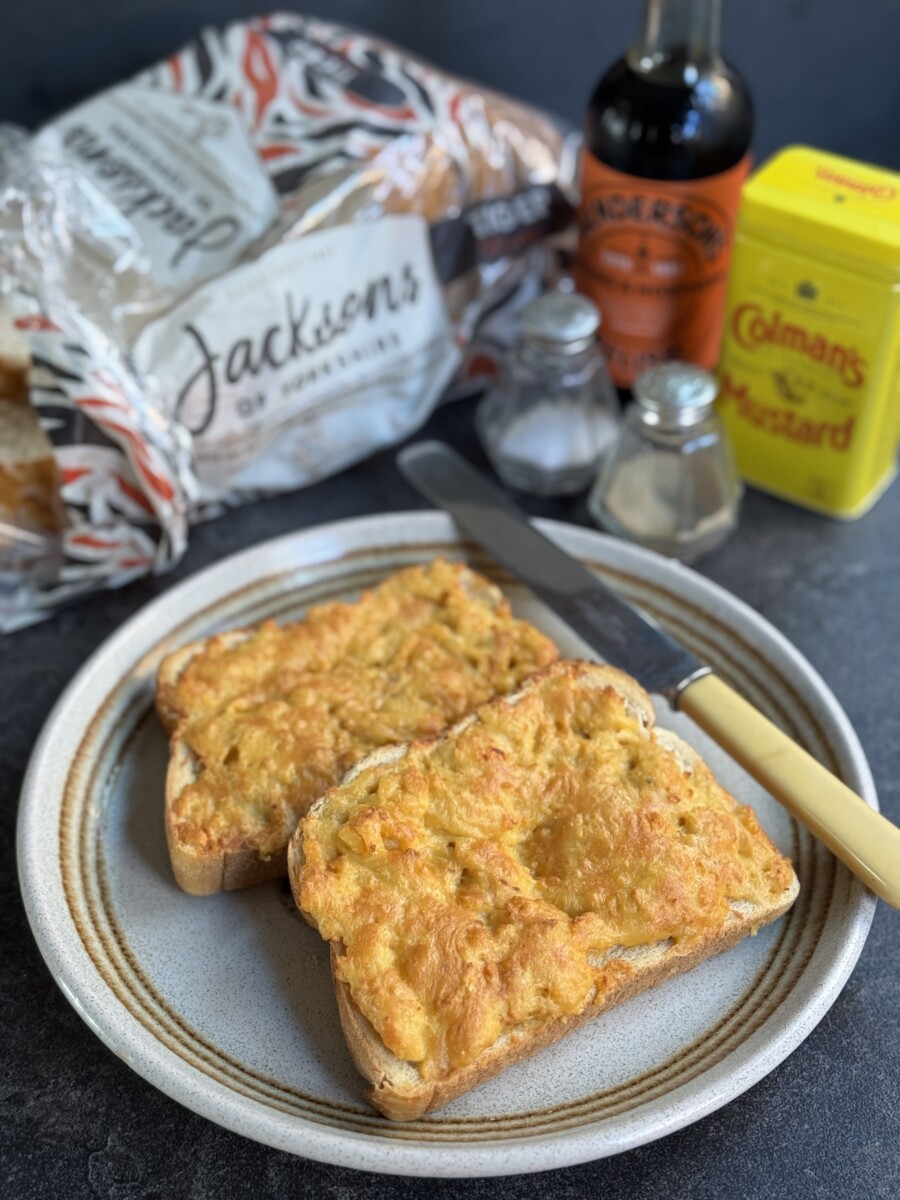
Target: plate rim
(392,1155)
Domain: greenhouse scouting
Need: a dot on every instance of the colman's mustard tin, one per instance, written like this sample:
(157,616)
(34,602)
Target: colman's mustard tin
(810,367)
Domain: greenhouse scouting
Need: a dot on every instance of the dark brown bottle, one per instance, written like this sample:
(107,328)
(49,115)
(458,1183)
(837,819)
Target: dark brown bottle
(667,134)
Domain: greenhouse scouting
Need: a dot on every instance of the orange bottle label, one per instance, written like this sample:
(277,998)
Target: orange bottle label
(653,255)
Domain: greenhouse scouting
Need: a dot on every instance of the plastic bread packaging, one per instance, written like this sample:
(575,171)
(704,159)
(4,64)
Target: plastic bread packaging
(249,267)
(95,481)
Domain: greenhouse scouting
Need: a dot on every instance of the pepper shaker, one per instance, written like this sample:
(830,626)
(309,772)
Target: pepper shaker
(670,482)
(554,411)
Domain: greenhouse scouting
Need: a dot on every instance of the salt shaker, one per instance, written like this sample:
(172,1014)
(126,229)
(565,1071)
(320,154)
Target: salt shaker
(554,412)
(670,481)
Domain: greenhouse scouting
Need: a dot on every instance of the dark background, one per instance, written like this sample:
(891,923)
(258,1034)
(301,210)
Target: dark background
(75,1122)
(823,72)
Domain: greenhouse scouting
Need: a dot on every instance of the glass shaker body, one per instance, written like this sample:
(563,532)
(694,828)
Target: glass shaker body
(670,482)
(553,412)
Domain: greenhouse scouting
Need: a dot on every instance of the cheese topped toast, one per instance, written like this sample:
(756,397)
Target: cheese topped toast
(263,721)
(487,891)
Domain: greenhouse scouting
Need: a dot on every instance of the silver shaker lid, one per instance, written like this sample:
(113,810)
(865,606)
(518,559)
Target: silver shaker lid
(676,393)
(562,322)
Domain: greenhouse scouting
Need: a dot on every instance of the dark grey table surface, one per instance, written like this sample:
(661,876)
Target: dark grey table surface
(77,1122)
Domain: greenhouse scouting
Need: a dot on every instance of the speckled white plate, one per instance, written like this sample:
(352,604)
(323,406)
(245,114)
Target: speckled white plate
(225,1003)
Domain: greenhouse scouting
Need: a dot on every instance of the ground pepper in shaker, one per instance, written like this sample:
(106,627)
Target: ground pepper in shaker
(670,482)
(553,412)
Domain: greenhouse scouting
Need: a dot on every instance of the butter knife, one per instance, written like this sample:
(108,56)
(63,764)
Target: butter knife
(860,837)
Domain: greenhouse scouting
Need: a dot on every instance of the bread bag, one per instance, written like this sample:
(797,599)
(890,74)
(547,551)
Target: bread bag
(256,263)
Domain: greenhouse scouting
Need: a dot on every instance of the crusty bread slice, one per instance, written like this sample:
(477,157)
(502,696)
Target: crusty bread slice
(29,479)
(398,1089)
(408,658)
(196,870)
(319,855)
(15,360)
(170,707)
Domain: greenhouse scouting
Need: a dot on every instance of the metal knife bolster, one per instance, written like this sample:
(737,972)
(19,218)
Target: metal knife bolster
(612,627)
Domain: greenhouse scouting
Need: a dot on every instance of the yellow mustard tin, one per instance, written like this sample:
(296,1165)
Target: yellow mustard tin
(810,365)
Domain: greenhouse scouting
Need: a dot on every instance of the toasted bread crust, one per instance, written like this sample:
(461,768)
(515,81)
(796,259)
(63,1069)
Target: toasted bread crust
(198,872)
(203,865)
(168,708)
(29,476)
(398,1089)
(402,1099)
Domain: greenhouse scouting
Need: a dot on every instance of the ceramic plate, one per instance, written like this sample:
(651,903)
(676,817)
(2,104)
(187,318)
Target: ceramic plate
(225,1003)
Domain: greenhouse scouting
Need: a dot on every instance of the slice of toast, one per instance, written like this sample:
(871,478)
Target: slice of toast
(29,478)
(488,891)
(15,359)
(263,721)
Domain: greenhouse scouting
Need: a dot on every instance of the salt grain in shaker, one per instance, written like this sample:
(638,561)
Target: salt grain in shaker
(553,413)
(670,482)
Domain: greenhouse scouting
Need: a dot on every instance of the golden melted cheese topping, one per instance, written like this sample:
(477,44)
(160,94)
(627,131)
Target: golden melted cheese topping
(278,718)
(477,883)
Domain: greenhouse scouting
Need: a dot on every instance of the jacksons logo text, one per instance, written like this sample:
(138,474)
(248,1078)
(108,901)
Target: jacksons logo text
(676,217)
(306,329)
(138,195)
(753,327)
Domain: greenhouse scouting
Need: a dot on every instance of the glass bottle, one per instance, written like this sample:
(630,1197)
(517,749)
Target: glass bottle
(553,412)
(670,482)
(667,134)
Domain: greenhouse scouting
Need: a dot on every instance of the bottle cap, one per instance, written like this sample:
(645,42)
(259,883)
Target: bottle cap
(562,322)
(676,393)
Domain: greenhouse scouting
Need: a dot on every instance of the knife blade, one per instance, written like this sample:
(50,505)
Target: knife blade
(623,636)
(859,835)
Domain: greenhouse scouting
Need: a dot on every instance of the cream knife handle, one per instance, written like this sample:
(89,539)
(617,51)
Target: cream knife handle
(860,837)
